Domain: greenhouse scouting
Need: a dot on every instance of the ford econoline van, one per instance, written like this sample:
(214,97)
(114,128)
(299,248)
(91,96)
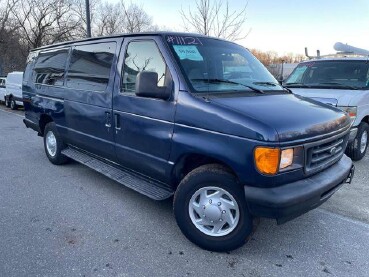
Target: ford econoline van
(189,116)
(13,97)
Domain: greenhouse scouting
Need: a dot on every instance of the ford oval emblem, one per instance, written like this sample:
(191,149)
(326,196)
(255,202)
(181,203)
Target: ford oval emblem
(333,150)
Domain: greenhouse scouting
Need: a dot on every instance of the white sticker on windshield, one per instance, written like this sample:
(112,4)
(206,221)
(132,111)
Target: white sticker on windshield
(189,52)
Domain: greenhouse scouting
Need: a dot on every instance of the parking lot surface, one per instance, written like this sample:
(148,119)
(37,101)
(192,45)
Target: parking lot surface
(71,221)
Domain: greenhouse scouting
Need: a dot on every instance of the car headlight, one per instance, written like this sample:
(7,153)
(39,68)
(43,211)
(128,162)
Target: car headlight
(270,161)
(286,158)
(351,111)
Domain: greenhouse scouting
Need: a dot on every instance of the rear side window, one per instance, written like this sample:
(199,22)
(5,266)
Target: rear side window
(50,67)
(90,66)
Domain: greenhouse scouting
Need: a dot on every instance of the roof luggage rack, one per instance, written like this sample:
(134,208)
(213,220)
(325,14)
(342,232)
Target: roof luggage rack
(343,50)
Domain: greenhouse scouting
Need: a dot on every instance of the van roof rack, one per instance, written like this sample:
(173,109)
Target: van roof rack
(343,50)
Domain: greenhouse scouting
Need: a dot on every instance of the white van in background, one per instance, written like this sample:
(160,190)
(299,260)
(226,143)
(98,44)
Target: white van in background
(13,97)
(2,89)
(342,82)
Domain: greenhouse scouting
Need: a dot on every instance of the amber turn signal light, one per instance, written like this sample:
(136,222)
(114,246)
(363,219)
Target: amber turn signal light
(267,160)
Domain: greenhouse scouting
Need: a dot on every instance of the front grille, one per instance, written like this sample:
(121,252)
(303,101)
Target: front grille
(322,154)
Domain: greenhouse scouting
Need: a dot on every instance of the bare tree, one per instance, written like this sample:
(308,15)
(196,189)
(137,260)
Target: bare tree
(109,19)
(13,52)
(6,21)
(79,10)
(27,24)
(215,18)
(45,21)
(271,57)
(135,19)
(122,18)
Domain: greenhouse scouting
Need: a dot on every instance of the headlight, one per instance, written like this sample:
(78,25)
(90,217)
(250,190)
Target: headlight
(271,160)
(351,111)
(286,158)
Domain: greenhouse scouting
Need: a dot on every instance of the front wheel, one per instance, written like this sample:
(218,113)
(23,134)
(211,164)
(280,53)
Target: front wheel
(356,150)
(7,102)
(210,209)
(53,145)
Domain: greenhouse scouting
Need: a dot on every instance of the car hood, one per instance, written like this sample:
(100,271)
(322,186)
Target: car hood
(293,117)
(335,97)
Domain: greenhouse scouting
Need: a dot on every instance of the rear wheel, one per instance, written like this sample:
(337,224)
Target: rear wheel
(210,209)
(53,145)
(356,150)
(13,104)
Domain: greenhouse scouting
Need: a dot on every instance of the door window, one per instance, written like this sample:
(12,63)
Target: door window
(90,66)
(142,56)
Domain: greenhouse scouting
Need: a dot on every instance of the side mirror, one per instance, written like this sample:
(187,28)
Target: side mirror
(146,86)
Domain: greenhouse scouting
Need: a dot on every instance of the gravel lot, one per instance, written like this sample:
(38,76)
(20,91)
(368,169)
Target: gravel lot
(71,221)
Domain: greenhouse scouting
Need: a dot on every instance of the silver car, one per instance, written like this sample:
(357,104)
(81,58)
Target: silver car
(341,82)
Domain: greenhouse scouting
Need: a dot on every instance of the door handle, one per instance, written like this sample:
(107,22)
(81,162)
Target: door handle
(107,119)
(117,122)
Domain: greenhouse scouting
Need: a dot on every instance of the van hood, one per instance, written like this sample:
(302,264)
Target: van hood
(293,117)
(334,97)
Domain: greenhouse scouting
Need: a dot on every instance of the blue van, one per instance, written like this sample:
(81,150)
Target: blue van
(191,116)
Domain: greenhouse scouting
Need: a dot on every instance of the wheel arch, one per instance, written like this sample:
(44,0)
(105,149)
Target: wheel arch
(365,119)
(188,162)
(44,119)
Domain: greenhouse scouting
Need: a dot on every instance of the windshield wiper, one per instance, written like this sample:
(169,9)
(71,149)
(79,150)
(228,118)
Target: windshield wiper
(297,85)
(228,82)
(339,85)
(265,83)
(285,89)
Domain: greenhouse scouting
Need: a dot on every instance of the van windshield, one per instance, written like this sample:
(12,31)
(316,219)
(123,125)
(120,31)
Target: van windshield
(350,74)
(217,66)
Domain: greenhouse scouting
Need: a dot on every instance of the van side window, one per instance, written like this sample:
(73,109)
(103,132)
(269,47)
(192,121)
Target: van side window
(90,66)
(50,67)
(140,56)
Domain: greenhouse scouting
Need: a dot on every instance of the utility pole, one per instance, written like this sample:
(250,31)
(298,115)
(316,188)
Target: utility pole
(88,19)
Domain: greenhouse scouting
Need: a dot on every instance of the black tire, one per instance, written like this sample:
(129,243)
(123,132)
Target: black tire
(353,149)
(58,158)
(7,102)
(215,176)
(13,105)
